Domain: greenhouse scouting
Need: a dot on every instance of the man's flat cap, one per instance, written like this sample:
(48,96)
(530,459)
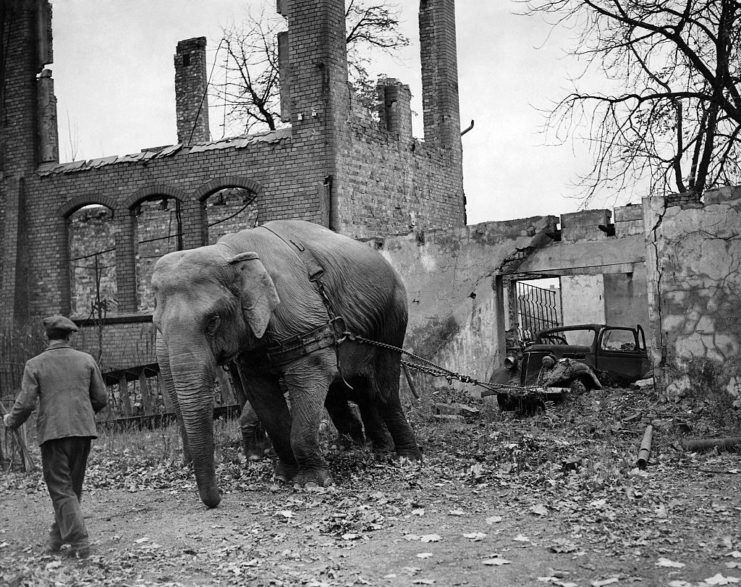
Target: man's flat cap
(57,323)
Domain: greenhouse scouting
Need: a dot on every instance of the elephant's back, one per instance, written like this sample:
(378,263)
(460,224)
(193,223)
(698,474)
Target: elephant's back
(365,289)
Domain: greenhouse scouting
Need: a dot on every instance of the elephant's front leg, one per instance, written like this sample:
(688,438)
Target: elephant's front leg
(308,380)
(267,399)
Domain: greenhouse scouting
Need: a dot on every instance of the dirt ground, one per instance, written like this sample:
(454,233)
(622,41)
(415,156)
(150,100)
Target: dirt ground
(554,499)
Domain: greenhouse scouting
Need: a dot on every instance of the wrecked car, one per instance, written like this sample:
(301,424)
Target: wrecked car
(617,354)
(572,358)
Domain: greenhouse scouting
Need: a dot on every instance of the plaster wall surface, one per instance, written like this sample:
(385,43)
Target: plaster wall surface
(603,278)
(583,299)
(449,278)
(626,297)
(583,257)
(695,264)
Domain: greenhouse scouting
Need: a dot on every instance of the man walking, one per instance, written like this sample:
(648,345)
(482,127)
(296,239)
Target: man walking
(69,387)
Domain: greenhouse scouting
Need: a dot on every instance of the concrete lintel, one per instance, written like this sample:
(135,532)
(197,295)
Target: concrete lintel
(587,257)
(584,270)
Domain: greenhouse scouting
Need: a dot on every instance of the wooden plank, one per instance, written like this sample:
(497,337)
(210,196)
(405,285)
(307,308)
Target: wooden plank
(169,408)
(147,404)
(228,396)
(123,393)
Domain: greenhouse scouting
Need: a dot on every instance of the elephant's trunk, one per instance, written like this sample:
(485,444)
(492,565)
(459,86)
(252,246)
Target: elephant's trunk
(163,358)
(193,379)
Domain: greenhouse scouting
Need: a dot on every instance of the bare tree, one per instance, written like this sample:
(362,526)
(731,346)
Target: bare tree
(672,116)
(250,90)
(73,138)
(371,26)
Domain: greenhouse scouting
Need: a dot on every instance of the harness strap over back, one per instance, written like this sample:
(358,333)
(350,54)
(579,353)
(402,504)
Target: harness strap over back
(330,334)
(315,270)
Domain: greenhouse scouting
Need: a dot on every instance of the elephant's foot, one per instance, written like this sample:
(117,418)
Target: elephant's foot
(384,453)
(383,446)
(285,473)
(347,442)
(411,453)
(255,444)
(319,477)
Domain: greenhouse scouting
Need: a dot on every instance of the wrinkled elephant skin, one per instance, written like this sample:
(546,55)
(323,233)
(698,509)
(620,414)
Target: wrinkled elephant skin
(229,302)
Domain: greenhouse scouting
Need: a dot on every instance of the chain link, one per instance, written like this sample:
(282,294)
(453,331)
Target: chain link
(425,366)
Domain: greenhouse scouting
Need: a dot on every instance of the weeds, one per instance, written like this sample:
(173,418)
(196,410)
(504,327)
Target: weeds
(161,445)
(710,389)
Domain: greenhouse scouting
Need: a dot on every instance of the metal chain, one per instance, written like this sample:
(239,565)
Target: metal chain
(426,366)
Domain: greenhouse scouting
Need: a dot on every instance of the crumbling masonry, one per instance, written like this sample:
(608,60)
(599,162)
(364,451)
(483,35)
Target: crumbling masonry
(332,165)
(80,238)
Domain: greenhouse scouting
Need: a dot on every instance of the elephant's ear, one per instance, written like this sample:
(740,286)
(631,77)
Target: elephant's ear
(259,297)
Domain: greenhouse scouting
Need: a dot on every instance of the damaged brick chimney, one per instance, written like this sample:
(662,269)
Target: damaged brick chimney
(191,97)
(439,73)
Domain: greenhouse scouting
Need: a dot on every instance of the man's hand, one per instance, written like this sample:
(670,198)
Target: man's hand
(6,419)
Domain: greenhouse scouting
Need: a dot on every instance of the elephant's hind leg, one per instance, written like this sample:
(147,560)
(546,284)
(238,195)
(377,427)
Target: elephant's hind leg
(386,389)
(255,443)
(349,426)
(375,427)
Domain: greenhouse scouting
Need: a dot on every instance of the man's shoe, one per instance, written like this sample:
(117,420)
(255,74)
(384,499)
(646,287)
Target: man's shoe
(53,546)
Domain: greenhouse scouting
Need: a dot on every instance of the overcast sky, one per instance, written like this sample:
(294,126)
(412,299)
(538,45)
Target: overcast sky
(114,81)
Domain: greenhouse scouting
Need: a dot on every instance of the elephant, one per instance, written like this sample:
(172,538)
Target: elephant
(296,307)
(350,428)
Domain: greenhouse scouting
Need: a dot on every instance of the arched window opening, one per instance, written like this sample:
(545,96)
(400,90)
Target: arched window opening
(158,232)
(230,210)
(92,254)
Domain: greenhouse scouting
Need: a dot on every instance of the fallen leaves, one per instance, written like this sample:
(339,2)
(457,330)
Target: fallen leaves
(494,486)
(562,545)
(539,510)
(665,562)
(475,536)
(604,582)
(495,561)
(719,579)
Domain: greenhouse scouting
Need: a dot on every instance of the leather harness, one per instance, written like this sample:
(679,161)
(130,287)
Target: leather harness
(333,333)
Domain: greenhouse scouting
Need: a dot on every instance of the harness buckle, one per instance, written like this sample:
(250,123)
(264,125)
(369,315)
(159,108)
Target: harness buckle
(339,329)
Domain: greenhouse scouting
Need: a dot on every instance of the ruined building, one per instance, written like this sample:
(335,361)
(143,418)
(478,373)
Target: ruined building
(81,238)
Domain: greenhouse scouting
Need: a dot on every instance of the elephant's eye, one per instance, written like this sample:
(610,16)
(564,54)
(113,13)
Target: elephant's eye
(213,324)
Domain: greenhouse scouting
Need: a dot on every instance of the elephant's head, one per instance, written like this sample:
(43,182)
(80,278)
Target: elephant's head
(209,305)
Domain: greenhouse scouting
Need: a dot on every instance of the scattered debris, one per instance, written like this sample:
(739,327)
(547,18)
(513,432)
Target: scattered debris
(457,410)
(731,444)
(645,450)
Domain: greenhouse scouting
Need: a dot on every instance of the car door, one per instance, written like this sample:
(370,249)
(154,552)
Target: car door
(621,353)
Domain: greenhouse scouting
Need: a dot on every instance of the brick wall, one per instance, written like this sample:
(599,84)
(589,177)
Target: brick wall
(185,178)
(22,56)
(191,85)
(92,246)
(440,106)
(396,187)
(330,166)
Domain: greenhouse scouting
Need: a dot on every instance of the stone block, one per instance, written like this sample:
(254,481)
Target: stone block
(629,213)
(722,195)
(585,225)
